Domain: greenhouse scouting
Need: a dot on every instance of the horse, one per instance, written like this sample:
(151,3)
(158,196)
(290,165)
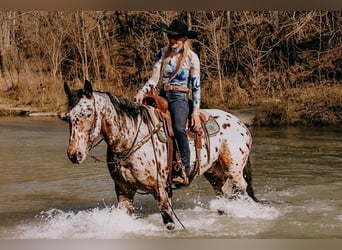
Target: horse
(137,158)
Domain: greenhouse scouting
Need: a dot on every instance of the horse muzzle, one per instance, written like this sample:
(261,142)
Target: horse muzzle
(76,157)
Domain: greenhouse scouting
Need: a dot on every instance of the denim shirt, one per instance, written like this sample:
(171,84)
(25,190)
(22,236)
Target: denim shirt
(188,75)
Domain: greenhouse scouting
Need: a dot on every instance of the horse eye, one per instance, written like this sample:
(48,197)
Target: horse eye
(88,116)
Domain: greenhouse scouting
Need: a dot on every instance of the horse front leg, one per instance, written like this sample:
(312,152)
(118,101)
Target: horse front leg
(124,192)
(125,197)
(164,204)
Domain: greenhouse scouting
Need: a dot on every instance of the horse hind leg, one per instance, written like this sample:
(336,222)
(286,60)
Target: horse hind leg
(247,175)
(218,179)
(226,175)
(238,182)
(230,179)
(234,166)
(221,182)
(241,179)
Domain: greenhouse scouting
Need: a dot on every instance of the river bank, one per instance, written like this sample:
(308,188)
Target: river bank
(247,116)
(10,110)
(304,106)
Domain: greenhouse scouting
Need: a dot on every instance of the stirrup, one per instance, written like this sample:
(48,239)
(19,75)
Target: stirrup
(182,178)
(179,180)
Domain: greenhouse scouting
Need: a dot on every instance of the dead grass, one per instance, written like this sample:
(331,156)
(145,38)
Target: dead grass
(306,105)
(234,96)
(32,90)
(46,93)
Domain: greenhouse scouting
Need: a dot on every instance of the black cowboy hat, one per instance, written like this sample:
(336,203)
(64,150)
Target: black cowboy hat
(178,29)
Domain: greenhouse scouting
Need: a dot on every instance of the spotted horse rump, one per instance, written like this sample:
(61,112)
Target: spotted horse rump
(137,159)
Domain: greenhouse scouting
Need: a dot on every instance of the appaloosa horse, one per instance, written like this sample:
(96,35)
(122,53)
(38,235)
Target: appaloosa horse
(137,157)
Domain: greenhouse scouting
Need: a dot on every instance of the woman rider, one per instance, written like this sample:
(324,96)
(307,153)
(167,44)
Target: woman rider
(177,70)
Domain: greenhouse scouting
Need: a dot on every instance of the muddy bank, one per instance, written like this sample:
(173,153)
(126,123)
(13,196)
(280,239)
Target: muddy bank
(8,110)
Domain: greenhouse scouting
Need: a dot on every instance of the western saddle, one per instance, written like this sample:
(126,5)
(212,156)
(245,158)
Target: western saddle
(157,108)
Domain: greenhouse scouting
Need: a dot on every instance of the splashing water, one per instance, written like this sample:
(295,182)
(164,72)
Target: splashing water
(114,223)
(105,223)
(244,207)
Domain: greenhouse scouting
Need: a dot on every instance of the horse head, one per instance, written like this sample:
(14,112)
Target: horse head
(83,121)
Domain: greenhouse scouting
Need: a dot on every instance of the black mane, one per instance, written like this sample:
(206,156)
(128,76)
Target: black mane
(125,107)
(122,105)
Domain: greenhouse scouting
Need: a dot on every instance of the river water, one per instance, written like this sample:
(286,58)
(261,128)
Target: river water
(297,175)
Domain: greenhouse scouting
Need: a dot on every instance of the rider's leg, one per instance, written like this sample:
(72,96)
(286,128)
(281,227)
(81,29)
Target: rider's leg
(179,110)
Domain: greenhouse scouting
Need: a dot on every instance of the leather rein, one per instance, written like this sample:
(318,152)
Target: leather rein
(122,157)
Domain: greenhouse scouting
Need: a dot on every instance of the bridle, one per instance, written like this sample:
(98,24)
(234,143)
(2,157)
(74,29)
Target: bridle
(124,156)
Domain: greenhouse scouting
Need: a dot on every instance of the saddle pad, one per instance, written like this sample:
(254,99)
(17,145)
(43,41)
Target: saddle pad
(212,126)
(161,135)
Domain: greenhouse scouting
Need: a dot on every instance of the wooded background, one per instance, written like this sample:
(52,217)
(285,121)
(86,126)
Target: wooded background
(246,56)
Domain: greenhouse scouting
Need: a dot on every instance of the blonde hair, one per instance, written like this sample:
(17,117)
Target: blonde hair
(167,55)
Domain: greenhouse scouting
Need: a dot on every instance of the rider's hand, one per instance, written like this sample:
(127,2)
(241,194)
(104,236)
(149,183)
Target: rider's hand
(139,97)
(196,122)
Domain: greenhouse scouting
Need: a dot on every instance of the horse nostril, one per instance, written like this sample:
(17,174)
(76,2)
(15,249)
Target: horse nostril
(78,156)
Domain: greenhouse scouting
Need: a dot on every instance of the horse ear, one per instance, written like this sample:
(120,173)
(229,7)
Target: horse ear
(88,89)
(67,89)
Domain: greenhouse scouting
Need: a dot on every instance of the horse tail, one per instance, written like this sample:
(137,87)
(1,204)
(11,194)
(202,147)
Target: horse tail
(247,175)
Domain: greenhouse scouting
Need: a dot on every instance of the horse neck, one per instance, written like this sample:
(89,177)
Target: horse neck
(103,109)
(117,127)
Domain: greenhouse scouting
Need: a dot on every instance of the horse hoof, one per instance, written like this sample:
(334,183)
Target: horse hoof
(170,226)
(221,212)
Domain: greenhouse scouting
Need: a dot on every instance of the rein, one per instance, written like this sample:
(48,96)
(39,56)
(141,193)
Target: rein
(135,145)
(158,171)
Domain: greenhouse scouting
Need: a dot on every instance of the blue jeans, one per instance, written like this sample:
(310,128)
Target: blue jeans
(179,110)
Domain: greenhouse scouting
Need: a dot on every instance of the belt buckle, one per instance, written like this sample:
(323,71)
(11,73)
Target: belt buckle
(170,87)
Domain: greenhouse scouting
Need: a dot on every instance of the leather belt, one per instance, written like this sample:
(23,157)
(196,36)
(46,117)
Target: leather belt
(175,87)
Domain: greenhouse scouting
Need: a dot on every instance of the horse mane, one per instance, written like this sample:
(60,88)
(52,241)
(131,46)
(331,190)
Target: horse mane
(124,106)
